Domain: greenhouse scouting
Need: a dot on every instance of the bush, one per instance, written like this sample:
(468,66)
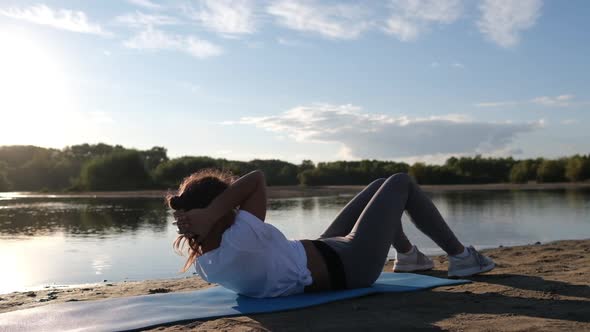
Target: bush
(479,169)
(577,168)
(114,167)
(434,174)
(277,172)
(519,173)
(169,173)
(4,183)
(115,171)
(551,171)
(350,172)
(523,171)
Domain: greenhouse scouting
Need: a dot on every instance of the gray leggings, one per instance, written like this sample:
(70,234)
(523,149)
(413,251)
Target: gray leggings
(370,223)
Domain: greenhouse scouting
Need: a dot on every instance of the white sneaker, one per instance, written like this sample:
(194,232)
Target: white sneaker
(414,261)
(473,264)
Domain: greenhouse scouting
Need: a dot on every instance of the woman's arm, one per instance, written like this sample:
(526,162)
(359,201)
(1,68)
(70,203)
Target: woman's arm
(248,192)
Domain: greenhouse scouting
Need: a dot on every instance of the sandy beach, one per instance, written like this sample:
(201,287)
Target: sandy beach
(534,287)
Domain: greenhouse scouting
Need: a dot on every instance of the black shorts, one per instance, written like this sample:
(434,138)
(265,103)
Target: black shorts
(333,263)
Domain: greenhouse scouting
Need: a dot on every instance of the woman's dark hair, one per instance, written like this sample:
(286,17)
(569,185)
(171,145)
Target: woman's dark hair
(196,191)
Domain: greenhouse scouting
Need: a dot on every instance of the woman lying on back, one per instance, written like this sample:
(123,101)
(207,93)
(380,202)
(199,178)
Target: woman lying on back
(222,220)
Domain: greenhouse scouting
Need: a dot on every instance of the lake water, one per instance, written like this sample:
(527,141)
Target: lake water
(65,241)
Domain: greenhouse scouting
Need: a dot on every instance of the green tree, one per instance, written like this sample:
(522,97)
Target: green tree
(551,171)
(277,172)
(107,167)
(577,168)
(420,172)
(434,174)
(43,170)
(121,170)
(350,172)
(481,170)
(169,173)
(154,157)
(520,172)
(15,156)
(4,183)
(306,164)
(87,151)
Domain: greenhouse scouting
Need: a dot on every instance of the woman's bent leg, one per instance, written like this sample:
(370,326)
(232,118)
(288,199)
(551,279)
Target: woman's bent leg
(376,229)
(428,220)
(347,217)
(364,250)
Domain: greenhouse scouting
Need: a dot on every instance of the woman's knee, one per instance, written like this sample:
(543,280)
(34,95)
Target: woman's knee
(398,182)
(377,182)
(400,178)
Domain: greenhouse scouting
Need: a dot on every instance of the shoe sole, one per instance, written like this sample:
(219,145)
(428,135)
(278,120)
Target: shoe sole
(412,268)
(472,271)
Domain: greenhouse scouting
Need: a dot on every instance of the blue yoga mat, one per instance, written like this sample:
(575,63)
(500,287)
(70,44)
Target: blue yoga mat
(135,312)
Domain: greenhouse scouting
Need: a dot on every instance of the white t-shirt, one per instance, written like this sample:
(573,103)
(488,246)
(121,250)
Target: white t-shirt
(256,259)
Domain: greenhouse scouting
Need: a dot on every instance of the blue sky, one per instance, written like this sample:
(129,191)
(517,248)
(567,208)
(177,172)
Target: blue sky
(412,80)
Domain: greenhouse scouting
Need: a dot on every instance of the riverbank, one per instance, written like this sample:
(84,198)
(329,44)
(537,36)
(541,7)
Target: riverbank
(534,287)
(303,191)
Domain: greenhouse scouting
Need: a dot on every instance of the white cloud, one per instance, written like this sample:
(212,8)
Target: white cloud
(64,19)
(561,100)
(140,20)
(456,65)
(570,121)
(290,42)
(201,48)
(227,17)
(341,21)
(439,11)
(403,29)
(498,103)
(502,21)
(153,39)
(564,100)
(368,135)
(411,17)
(146,4)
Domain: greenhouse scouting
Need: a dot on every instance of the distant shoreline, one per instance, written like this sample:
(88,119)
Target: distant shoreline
(310,191)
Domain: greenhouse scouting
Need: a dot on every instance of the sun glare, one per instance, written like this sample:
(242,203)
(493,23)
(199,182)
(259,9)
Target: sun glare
(34,90)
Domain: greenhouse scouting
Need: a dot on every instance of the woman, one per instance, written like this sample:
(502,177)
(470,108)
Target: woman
(222,220)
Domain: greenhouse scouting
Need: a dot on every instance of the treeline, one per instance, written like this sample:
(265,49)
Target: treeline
(107,167)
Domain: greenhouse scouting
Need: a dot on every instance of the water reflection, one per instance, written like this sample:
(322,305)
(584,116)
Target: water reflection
(80,217)
(69,240)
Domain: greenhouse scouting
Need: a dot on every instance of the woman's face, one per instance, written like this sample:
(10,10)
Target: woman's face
(194,229)
(201,230)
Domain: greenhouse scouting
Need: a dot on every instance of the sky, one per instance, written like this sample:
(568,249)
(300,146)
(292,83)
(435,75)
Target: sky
(404,80)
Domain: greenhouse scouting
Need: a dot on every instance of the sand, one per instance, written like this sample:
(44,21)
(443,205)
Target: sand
(534,287)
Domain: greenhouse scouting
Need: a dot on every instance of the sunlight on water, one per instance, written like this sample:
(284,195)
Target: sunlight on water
(65,240)
(11,195)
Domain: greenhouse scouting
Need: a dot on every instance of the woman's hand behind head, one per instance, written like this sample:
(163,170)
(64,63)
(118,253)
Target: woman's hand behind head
(195,222)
